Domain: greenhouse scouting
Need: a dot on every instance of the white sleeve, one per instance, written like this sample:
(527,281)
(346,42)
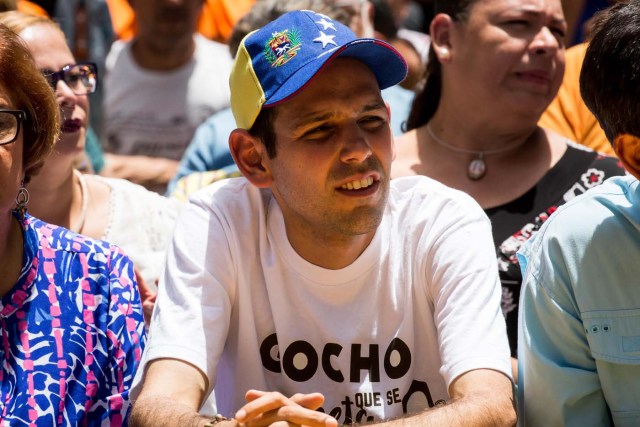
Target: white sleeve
(462,279)
(195,296)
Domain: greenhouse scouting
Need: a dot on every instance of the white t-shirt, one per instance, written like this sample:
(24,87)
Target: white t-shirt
(155,113)
(379,338)
(141,222)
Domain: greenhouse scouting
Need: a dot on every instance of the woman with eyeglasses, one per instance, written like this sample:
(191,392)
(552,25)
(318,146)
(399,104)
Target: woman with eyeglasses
(118,211)
(71,323)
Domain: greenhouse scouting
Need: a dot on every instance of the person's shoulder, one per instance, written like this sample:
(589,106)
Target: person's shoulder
(53,238)
(615,193)
(117,50)
(611,204)
(208,45)
(423,201)
(425,189)
(233,201)
(227,192)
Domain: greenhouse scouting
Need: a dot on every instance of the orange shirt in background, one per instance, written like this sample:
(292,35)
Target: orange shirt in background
(568,115)
(216,20)
(31,8)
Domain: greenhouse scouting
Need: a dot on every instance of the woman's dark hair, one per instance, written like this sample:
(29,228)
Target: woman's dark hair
(426,101)
(30,92)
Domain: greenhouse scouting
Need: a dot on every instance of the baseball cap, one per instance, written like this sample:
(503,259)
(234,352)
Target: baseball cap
(278,60)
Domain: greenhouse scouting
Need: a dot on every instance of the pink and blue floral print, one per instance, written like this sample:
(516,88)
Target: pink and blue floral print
(72,332)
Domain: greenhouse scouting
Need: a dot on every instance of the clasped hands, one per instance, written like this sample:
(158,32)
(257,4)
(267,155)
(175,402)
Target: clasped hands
(274,409)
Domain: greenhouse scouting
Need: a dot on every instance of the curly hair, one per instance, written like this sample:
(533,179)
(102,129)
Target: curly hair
(30,92)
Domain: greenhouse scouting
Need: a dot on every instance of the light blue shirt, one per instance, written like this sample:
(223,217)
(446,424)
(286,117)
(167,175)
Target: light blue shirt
(579,324)
(209,147)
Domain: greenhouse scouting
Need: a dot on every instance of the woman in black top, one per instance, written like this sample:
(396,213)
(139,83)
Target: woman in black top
(494,67)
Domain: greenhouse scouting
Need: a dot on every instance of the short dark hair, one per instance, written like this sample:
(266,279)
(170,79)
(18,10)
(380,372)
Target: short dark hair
(426,101)
(29,90)
(610,76)
(264,129)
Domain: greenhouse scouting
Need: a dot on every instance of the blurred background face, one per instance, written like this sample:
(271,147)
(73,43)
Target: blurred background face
(51,53)
(400,10)
(165,25)
(11,172)
(360,14)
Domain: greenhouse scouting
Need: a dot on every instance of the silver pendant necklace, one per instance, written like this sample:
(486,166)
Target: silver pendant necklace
(477,167)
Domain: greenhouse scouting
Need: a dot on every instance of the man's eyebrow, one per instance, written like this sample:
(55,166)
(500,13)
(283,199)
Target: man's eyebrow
(310,118)
(314,118)
(375,106)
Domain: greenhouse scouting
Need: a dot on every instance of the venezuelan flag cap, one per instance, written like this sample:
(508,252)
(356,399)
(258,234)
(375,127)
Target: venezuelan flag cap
(276,62)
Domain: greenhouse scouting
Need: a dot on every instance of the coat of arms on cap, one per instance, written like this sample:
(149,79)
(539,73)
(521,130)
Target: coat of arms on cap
(281,47)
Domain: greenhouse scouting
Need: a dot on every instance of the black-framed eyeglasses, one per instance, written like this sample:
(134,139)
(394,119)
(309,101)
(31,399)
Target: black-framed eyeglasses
(82,78)
(10,121)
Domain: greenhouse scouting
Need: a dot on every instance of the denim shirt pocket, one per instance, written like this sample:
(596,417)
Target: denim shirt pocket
(614,340)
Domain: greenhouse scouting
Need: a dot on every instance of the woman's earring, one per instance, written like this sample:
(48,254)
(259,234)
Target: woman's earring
(22,199)
(444,54)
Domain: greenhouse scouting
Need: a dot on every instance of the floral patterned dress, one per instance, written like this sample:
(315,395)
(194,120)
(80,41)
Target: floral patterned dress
(71,330)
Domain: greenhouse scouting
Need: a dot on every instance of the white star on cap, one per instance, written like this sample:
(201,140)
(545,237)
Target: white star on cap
(325,40)
(326,24)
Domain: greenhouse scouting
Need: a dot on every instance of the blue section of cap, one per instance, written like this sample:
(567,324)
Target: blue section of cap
(315,39)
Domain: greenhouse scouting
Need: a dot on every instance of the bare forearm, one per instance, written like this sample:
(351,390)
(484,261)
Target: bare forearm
(162,411)
(463,412)
(143,170)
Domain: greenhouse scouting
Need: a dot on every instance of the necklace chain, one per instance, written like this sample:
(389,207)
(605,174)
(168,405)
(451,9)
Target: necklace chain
(84,194)
(467,151)
(477,167)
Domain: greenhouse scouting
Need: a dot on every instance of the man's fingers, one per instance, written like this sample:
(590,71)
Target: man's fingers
(295,415)
(309,400)
(267,408)
(260,404)
(253,395)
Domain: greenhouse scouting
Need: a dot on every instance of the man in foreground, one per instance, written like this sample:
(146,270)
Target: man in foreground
(579,349)
(313,291)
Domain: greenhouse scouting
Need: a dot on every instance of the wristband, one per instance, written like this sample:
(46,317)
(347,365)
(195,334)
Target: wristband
(215,420)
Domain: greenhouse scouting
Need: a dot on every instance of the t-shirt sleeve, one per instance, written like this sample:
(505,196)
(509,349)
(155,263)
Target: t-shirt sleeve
(195,290)
(463,283)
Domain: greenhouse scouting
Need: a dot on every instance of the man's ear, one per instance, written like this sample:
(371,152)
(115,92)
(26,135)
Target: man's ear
(249,154)
(627,148)
(440,30)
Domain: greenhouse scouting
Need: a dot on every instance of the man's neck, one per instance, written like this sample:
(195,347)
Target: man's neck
(150,58)
(332,252)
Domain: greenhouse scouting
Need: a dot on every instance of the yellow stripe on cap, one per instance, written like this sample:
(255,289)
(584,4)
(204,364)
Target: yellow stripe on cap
(247,96)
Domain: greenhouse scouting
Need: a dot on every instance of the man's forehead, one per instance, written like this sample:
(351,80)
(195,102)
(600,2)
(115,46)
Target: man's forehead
(305,114)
